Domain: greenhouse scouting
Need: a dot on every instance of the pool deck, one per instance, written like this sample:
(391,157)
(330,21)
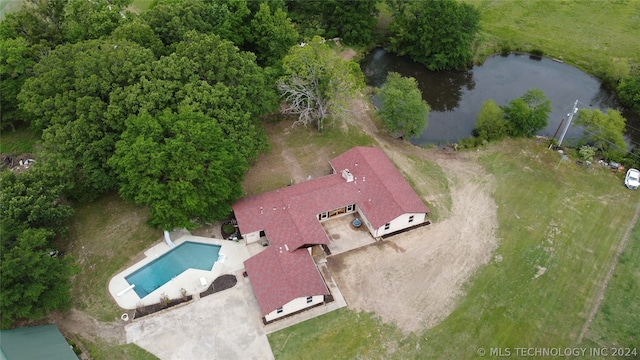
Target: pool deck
(235,253)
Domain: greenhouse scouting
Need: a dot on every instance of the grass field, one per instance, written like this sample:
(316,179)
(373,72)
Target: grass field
(616,325)
(104,237)
(17,142)
(101,350)
(8,6)
(593,35)
(559,230)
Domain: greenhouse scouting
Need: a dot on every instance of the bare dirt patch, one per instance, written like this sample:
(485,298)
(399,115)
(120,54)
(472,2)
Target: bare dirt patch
(348,54)
(80,323)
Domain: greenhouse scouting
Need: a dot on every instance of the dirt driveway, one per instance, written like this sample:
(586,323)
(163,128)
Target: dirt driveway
(415,279)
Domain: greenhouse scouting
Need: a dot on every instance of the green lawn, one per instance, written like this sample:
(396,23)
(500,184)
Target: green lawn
(141,5)
(333,141)
(9,6)
(17,142)
(105,236)
(562,219)
(591,34)
(616,324)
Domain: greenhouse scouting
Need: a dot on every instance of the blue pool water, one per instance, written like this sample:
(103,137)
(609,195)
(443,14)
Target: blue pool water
(184,256)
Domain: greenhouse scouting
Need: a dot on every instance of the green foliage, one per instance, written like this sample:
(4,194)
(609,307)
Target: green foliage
(317,83)
(439,34)
(16,63)
(39,22)
(139,32)
(181,165)
(352,21)
(171,19)
(587,153)
(403,111)
(527,114)
(490,124)
(214,77)
(629,92)
(272,34)
(33,283)
(86,20)
(71,98)
(604,130)
(28,203)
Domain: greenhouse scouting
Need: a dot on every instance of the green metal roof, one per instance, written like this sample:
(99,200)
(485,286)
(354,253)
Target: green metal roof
(35,343)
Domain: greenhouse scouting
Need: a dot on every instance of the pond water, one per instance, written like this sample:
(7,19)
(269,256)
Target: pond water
(455,97)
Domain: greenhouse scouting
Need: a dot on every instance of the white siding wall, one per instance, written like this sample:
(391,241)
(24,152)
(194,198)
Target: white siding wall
(252,237)
(367,223)
(294,305)
(399,223)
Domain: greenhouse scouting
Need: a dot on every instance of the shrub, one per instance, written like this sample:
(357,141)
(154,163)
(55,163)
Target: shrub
(527,114)
(629,92)
(490,124)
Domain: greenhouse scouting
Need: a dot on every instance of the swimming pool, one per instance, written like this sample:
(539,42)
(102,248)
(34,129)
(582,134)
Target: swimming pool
(187,255)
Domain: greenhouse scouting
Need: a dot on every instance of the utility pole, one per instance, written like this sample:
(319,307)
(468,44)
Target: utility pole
(555,133)
(564,131)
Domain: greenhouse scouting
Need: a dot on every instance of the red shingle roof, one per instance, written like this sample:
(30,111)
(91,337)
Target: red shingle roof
(289,218)
(279,277)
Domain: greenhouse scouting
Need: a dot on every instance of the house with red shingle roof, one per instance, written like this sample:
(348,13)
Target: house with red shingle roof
(284,276)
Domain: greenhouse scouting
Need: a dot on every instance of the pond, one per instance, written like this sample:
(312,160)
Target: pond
(455,97)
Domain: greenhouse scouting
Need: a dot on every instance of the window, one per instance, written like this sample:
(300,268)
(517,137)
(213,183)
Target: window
(323,216)
(386,226)
(351,207)
(411,218)
(309,299)
(279,311)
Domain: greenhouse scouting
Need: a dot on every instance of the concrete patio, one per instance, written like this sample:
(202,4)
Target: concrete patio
(224,325)
(344,236)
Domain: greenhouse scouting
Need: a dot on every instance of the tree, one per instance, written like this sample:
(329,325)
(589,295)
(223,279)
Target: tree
(272,34)
(604,130)
(527,114)
(351,20)
(32,214)
(171,19)
(490,124)
(139,32)
(403,110)
(629,92)
(33,282)
(214,77)
(86,20)
(16,64)
(38,22)
(28,203)
(181,165)
(70,98)
(439,34)
(318,83)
